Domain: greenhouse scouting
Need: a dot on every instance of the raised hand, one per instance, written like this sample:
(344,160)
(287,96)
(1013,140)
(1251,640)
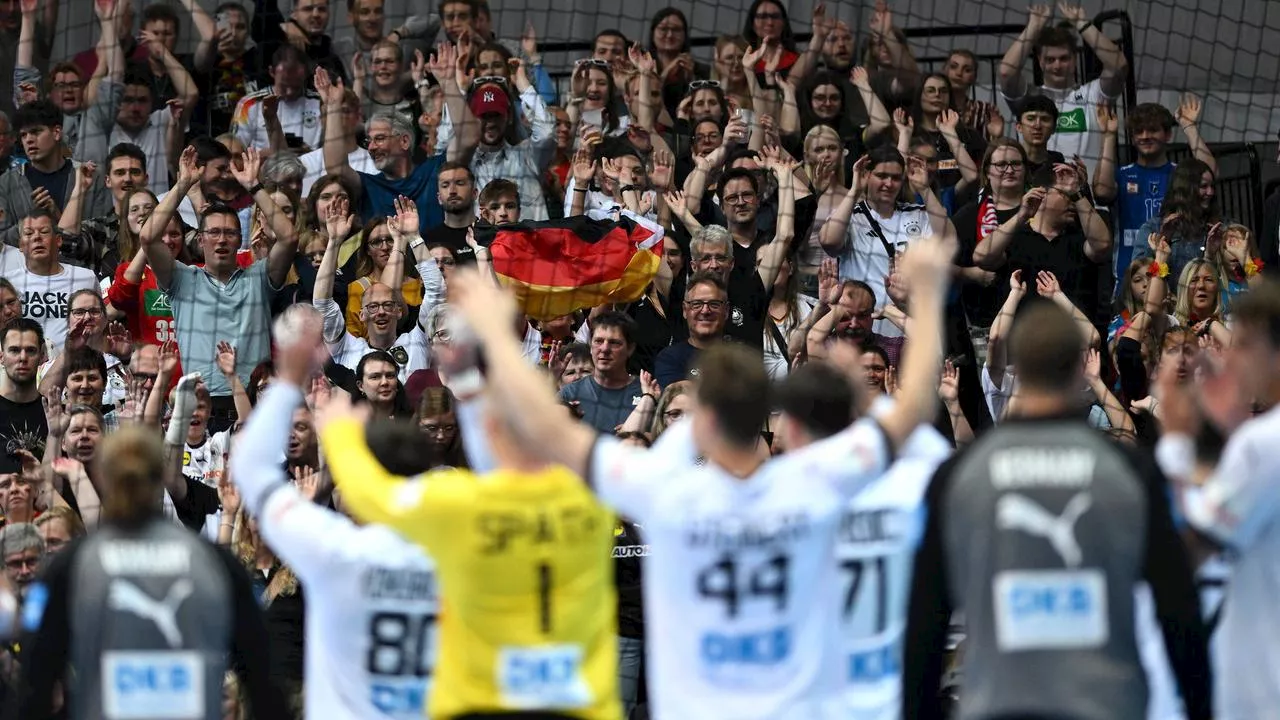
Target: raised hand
(1092,365)
(405,222)
(1108,121)
(1188,110)
(829,281)
(949,122)
(949,383)
(1031,202)
(661,174)
(1065,178)
(641,59)
(329,89)
(881,19)
(339,220)
(1039,15)
(55,416)
(155,46)
(358,70)
(612,169)
(995,122)
(529,41)
(307,479)
(1016,286)
(1047,284)
(1159,245)
(226,358)
(443,62)
(250,165)
(649,385)
(903,122)
(917,174)
(584,167)
(418,66)
(1074,13)
(228,496)
(84,175)
(270,108)
(860,78)
(168,360)
(119,340)
(751,57)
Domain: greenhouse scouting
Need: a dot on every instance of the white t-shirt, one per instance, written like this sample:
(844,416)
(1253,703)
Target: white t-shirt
(1077,132)
(739,598)
(44,297)
(775,358)
(875,552)
(865,257)
(152,139)
(300,117)
(359,160)
(372,598)
(207,463)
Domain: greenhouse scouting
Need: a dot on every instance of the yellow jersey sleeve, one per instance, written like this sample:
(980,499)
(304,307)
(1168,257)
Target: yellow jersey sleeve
(420,508)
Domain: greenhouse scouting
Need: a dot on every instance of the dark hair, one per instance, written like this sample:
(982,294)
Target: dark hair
(218,208)
(125,150)
(71,299)
(161,11)
(471,4)
(965,53)
(917,111)
(496,189)
(871,347)
(1045,345)
(706,278)
(310,220)
(883,154)
(786,39)
(397,444)
(1150,116)
(720,97)
(374,356)
(733,386)
(40,211)
(1037,103)
(261,372)
(288,53)
(610,32)
(1183,197)
(231,7)
(819,397)
(622,321)
(37,113)
(1058,37)
(575,351)
(455,165)
(736,174)
(84,359)
(207,149)
(1259,310)
(137,79)
(663,14)
(995,144)
(23,325)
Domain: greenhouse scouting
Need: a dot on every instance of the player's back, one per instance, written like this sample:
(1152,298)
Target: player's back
(528,617)
(738,588)
(875,548)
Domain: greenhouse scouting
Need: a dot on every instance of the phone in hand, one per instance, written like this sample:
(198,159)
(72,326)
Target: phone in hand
(224,22)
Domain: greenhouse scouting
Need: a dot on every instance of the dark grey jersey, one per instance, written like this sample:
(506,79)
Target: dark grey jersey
(1039,534)
(146,617)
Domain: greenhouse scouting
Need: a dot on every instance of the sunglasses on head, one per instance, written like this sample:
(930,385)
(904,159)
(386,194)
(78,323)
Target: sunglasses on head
(594,62)
(700,84)
(495,79)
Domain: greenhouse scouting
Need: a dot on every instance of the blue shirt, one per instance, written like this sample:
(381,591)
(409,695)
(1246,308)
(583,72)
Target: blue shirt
(379,193)
(1139,194)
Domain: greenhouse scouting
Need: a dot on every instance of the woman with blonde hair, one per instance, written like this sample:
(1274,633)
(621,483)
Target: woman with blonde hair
(1234,252)
(823,170)
(59,526)
(728,71)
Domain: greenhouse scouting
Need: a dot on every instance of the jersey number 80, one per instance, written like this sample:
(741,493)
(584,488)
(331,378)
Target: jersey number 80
(400,644)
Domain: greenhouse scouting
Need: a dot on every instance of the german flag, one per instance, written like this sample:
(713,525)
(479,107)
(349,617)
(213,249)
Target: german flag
(555,267)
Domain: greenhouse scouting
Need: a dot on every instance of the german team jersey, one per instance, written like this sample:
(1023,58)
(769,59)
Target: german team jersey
(526,579)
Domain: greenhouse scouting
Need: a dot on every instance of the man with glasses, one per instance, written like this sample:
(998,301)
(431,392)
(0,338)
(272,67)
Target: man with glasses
(706,309)
(88,329)
(22,549)
(44,282)
(381,306)
(202,296)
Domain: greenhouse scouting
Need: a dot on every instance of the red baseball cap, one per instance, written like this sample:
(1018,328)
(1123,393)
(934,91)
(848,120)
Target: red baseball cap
(489,98)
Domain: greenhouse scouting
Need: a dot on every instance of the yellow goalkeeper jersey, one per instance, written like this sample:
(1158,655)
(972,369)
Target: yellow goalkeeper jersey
(528,613)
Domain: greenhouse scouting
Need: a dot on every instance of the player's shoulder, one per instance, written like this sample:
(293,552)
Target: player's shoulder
(380,546)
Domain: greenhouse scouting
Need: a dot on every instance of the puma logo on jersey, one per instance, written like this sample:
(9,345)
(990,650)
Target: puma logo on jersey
(1018,512)
(127,597)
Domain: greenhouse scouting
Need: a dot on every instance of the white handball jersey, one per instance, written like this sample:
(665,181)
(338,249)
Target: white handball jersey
(875,550)
(372,600)
(739,598)
(871,243)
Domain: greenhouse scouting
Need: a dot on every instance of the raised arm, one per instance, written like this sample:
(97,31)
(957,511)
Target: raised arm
(1109,54)
(918,176)
(1104,173)
(336,134)
(1012,82)
(69,221)
(1097,236)
(1047,286)
(208,31)
(834,235)
(997,355)
(772,256)
(282,254)
(879,118)
(151,236)
(949,124)
(900,56)
(812,55)
(695,185)
(337,224)
(175,436)
(990,254)
(1188,118)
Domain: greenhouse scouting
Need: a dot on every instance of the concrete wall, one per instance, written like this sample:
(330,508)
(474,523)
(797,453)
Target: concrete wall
(1227,51)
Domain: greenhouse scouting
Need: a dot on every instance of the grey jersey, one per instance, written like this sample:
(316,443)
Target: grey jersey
(146,618)
(1039,535)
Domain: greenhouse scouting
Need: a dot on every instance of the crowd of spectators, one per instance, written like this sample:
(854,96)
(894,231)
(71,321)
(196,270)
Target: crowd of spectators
(158,210)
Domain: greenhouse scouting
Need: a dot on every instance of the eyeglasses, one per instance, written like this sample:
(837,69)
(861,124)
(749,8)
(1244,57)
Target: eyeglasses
(380,242)
(373,307)
(144,377)
(708,304)
(742,198)
(438,429)
(22,562)
(1006,166)
(385,61)
(594,62)
(669,30)
(68,85)
(89,312)
(225,234)
(708,137)
(700,84)
(721,259)
(932,90)
(443,336)
(768,16)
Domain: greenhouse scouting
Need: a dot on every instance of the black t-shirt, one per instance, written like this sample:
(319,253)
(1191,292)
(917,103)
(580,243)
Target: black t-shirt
(55,182)
(1042,173)
(981,303)
(653,331)
(453,238)
(23,427)
(748,305)
(1063,256)
(200,502)
(948,168)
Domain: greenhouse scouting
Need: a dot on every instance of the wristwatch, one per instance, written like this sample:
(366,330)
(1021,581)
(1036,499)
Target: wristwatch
(416,243)
(1074,197)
